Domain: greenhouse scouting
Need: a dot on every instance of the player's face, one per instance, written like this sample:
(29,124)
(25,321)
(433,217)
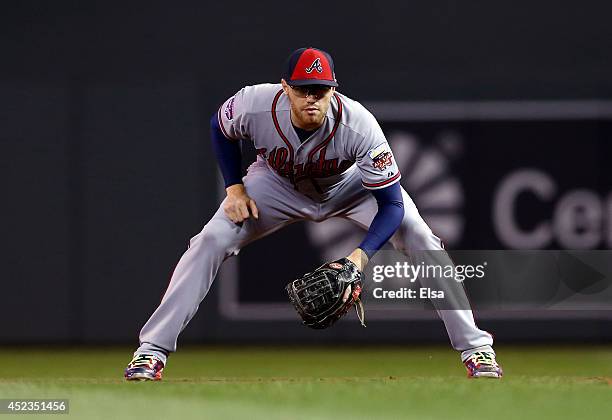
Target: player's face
(309,104)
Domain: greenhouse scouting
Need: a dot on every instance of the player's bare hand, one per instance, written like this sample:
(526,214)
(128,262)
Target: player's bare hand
(239,206)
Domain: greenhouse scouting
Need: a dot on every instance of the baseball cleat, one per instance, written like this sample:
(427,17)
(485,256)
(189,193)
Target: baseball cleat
(483,365)
(144,367)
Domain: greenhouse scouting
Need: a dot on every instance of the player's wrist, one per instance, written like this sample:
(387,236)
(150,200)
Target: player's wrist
(359,258)
(235,189)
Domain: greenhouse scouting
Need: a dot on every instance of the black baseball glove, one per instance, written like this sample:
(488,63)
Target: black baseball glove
(325,295)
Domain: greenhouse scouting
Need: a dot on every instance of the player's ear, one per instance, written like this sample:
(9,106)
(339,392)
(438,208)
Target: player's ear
(285,86)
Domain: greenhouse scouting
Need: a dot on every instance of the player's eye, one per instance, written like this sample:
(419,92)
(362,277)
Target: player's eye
(300,90)
(317,91)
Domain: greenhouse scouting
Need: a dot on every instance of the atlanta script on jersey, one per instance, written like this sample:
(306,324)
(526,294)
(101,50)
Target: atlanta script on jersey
(349,140)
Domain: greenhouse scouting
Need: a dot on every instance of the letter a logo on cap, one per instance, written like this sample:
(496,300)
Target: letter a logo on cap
(316,65)
(310,66)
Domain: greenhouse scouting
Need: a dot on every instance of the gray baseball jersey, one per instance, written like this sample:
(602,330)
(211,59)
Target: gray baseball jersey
(349,140)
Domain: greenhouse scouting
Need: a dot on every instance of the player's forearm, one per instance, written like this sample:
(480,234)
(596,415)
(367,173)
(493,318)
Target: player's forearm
(227,153)
(387,220)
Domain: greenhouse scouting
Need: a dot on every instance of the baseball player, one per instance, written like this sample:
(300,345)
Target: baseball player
(320,154)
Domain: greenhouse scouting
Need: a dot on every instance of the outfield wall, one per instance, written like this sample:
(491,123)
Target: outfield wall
(108,171)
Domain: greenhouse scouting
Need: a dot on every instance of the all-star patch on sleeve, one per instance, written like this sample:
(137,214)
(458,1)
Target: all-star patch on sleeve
(375,160)
(233,116)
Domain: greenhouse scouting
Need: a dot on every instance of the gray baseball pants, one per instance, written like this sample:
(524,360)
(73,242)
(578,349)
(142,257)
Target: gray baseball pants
(280,204)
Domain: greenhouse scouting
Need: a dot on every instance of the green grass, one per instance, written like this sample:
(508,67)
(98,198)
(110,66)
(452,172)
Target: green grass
(317,383)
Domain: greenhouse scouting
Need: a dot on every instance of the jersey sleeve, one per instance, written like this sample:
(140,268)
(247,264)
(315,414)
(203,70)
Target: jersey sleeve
(233,116)
(375,159)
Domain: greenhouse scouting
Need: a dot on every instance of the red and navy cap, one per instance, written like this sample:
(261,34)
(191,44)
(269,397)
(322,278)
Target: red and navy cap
(310,66)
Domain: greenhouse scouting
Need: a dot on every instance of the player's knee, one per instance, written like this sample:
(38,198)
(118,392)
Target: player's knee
(421,238)
(211,238)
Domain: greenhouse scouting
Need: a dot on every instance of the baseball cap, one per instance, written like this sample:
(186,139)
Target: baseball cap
(310,66)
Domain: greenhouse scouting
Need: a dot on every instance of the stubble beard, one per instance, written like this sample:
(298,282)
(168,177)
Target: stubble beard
(310,121)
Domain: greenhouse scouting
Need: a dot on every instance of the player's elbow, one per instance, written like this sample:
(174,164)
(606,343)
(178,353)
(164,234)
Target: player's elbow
(398,214)
(394,210)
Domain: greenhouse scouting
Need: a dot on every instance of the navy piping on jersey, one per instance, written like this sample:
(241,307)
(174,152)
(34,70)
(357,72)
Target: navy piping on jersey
(278,129)
(333,132)
(385,182)
(320,145)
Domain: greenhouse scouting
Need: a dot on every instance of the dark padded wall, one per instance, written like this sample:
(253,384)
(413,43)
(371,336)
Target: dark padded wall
(104,108)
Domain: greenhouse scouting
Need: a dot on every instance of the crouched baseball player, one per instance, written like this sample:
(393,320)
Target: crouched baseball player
(320,154)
